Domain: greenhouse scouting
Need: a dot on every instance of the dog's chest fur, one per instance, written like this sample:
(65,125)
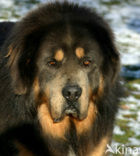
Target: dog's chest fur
(71,152)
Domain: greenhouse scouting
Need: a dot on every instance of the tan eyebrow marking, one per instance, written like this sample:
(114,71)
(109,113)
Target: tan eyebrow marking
(59,55)
(79,52)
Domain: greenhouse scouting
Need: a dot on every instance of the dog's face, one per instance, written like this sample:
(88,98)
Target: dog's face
(67,61)
(68,68)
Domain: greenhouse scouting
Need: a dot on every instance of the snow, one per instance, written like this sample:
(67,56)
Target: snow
(6,3)
(137,86)
(118,131)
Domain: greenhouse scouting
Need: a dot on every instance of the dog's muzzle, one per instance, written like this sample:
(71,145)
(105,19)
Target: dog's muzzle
(71,93)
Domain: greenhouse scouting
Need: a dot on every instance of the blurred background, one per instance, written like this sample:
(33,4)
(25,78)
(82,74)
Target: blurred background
(124,18)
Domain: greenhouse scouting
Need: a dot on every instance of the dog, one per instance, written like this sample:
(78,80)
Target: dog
(60,85)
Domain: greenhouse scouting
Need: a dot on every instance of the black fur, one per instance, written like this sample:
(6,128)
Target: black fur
(18,108)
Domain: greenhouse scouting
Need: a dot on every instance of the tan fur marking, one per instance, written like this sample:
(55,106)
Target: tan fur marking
(84,125)
(11,56)
(39,98)
(79,52)
(59,55)
(101,86)
(36,87)
(22,150)
(9,52)
(99,150)
(100,89)
(49,127)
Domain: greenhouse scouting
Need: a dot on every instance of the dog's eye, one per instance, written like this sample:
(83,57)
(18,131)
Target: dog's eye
(86,63)
(52,63)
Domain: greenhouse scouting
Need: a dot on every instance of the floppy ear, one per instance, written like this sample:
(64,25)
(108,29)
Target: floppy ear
(23,46)
(111,63)
(18,83)
(115,61)
(105,38)
(22,62)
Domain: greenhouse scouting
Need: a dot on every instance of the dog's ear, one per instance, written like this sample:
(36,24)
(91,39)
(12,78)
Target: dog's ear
(23,46)
(102,32)
(115,63)
(22,62)
(18,83)
(111,62)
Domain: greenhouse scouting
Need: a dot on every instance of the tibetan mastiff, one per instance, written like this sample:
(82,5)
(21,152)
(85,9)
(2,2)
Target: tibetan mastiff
(59,83)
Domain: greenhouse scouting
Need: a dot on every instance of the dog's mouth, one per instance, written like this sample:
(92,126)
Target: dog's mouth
(71,110)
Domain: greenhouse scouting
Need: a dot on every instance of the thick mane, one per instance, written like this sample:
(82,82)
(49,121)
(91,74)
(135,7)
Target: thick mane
(59,77)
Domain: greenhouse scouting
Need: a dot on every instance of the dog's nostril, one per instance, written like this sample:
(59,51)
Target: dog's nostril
(72,93)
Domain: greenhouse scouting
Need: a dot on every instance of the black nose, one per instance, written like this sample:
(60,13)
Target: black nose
(71,93)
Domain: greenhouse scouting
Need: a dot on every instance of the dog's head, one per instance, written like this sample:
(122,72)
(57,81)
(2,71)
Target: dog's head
(68,68)
(66,59)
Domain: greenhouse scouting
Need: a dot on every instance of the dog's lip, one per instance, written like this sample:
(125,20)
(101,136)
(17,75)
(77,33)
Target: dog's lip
(70,111)
(71,108)
(57,120)
(71,114)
